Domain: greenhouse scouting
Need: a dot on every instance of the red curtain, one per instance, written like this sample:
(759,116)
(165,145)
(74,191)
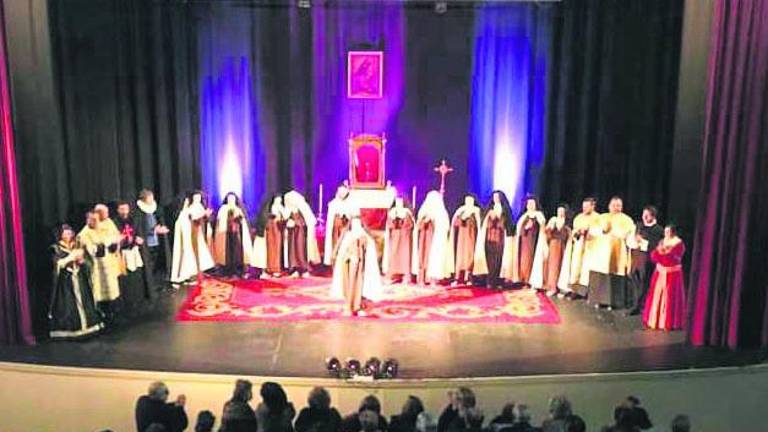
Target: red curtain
(15,319)
(729,274)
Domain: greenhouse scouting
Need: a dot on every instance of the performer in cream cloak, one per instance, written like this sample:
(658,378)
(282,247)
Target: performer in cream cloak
(608,280)
(356,274)
(580,252)
(465,226)
(531,245)
(496,246)
(300,241)
(101,241)
(191,255)
(269,241)
(433,256)
(336,222)
(232,240)
(398,242)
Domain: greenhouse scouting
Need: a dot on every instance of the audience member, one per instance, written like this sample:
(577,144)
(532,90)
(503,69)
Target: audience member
(522,420)
(406,420)
(369,421)
(505,420)
(473,418)
(153,408)
(275,413)
(318,416)
(205,421)
(450,412)
(639,415)
(351,423)
(681,423)
(468,415)
(559,410)
(238,416)
(623,421)
(574,423)
(156,427)
(426,423)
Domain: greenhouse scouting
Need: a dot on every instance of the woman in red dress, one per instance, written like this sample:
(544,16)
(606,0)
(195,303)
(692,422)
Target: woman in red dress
(665,304)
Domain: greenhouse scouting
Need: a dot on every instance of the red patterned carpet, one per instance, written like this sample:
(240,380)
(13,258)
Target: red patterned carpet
(307,299)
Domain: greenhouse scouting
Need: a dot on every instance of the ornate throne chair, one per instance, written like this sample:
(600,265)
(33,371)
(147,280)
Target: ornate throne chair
(366,161)
(367,180)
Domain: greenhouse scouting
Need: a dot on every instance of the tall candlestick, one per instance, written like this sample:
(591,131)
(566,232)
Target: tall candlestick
(413,197)
(320,202)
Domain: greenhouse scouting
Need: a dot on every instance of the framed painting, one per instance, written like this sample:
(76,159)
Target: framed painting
(365,74)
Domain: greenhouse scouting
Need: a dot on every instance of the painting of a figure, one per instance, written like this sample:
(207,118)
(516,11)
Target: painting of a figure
(367,164)
(365,74)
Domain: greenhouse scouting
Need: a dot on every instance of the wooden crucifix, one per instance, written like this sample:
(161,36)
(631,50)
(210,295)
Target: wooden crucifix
(443,169)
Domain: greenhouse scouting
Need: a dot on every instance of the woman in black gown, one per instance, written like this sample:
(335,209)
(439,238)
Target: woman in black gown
(73,312)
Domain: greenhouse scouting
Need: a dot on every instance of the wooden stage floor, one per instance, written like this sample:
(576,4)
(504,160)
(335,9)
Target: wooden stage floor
(586,341)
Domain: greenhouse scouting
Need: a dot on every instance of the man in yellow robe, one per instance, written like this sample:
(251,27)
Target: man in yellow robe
(608,280)
(580,251)
(100,238)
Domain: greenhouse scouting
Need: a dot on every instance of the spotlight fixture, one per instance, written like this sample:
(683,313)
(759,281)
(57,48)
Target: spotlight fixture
(441,7)
(390,369)
(353,366)
(372,367)
(333,366)
(353,369)
(304,4)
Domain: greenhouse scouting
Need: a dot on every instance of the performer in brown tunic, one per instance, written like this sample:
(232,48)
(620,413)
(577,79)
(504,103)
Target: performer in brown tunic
(494,240)
(464,229)
(426,230)
(202,234)
(433,254)
(233,246)
(337,222)
(398,242)
(530,241)
(300,239)
(558,233)
(356,275)
(234,254)
(268,247)
(352,272)
(296,244)
(273,234)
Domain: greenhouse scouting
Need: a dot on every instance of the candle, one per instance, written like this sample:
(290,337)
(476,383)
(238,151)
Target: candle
(320,200)
(413,197)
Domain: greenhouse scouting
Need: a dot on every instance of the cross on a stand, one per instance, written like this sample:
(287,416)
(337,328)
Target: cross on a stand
(443,169)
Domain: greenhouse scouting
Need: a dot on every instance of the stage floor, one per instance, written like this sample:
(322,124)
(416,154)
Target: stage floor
(585,341)
(218,299)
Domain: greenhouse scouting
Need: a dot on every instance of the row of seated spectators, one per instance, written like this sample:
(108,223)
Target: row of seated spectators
(276,414)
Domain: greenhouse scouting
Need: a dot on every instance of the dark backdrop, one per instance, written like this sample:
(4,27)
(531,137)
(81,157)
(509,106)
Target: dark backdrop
(612,103)
(126,114)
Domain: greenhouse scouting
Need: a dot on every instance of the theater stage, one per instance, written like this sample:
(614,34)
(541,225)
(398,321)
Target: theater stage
(584,341)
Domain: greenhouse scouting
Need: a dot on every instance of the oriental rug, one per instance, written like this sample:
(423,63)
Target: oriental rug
(301,299)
